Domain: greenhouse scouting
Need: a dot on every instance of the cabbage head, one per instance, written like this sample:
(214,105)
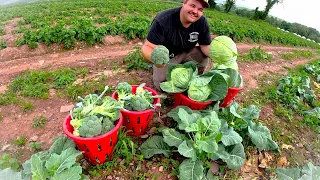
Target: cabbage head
(223,50)
(181,77)
(199,92)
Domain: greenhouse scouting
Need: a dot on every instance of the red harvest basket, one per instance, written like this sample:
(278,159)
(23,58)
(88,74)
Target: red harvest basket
(181,100)
(232,92)
(136,122)
(96,149)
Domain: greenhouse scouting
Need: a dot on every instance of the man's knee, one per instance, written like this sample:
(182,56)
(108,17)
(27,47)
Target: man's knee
(198,57)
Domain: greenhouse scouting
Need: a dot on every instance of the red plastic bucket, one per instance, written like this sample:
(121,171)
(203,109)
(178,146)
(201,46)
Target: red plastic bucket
(181,100)
(136,122)
(96,149)
(232,92)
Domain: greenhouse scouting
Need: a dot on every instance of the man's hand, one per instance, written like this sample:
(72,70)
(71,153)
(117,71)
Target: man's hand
(160,56)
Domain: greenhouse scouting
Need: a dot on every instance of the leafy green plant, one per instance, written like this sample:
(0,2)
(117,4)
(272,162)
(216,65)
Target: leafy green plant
(3,44)
(6,161)
(135,60)
(297,54)
(35,146)
(27,106)
(257,54)
(312,119)
(309,171)
(201,136)
(59,162)
(63,77)
(39,121)
(21,141)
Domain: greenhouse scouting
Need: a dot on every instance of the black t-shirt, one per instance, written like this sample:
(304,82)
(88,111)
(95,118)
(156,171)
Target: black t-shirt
(167,30)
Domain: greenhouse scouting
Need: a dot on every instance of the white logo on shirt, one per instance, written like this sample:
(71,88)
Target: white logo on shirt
(171,55)
(193,37)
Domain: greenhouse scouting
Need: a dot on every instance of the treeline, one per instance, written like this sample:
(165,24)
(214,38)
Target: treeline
(229,7)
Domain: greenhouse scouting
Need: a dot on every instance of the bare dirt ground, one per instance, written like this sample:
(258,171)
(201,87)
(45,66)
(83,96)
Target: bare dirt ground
(99,59)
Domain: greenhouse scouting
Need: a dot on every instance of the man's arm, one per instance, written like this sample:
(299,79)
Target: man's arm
(147,49)
(205,50)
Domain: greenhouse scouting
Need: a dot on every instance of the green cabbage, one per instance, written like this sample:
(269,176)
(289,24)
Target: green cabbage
(181,77)
(223,50)
(199,90)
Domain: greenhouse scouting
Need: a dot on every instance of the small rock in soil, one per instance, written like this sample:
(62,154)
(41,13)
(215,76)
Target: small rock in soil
(33,138)
(145,136)
(66,108)
(153,167)
(109,177)
(5,147)
(161,169)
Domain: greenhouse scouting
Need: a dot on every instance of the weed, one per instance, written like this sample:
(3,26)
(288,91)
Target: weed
(256,54)
(39,121)
(8,98)
(63,77)
(27,106)
(6,161)
(3,44)
(73,91)
(135,60)
(297,54)
(21,141)
(35,146)
(281,111)
(1,117)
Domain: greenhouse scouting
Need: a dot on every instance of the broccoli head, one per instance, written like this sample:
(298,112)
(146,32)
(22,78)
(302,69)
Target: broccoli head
(123,89)
(91,126)
(160,55)
(107,125)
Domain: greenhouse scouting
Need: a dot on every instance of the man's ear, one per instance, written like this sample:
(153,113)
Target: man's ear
(185,1)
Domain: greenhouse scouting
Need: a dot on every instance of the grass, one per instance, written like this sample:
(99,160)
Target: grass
(297,54)
(256,54)
(21,141)
(27,106)
(35,146)
(6,161)
(3,43)
(39,121)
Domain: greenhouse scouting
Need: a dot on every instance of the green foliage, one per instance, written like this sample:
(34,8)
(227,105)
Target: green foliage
(27,106)
(257,54)
(135,60)
(35,146)
(67,22)
(309,171)
(63,77)
(3,44)
(39,121)
(6,161)
(8,98)
(297,54)
(21,141)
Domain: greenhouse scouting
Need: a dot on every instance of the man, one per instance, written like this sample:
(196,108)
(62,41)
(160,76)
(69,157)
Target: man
(184,31)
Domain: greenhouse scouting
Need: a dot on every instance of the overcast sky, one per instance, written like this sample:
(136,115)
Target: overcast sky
(305,12)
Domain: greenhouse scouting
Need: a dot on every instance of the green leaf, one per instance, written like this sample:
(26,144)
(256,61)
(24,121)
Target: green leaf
(191,170)
(172,137)
(57,163)
(261,137)
(234,156)
(169,87)
(219,88)
(288,173)
(210,123)
(230,137)
(72,173)
(235,79)
(60,144)
(209,145)
(155,145)
(27,168)
(187,119)
(234,109)
(192,128)
(187,150)
(210,176)
(310,171)
(250,113)
(37,166)
(9,174)
(174,112)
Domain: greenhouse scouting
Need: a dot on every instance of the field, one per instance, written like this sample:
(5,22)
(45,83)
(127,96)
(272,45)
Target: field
(54,51)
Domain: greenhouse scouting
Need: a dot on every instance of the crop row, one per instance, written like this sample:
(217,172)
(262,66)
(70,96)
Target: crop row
(63,19)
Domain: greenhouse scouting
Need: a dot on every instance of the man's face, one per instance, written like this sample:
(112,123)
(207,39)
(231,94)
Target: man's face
(192,10)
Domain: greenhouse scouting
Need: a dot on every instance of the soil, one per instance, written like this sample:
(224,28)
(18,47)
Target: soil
(99,59)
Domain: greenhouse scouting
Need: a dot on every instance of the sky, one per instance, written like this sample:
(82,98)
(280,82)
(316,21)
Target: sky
(304,12)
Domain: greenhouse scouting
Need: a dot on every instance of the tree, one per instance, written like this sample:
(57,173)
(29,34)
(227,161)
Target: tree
(229,4)
(212,4)
(263,14)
